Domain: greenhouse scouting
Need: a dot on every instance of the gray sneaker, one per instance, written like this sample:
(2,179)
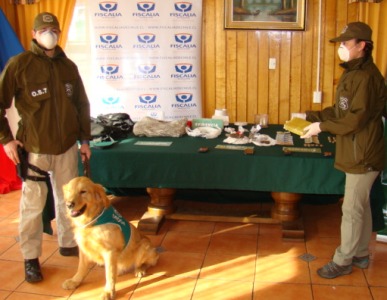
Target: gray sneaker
(333,270)
(361,262)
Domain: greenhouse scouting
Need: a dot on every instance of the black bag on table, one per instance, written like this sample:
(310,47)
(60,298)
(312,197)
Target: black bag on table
(114,126)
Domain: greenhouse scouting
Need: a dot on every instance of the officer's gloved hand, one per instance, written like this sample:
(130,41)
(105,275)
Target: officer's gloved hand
(311,130)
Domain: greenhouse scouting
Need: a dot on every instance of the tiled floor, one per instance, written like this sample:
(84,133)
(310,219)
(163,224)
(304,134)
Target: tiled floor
(204,260)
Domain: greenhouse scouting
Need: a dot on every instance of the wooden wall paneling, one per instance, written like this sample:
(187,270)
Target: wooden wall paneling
(284,77)
(312,53)
(381,58)
(263,72)
(295,72)
(241,75)
(231,73)
(220,56)
(307,80)
(329,53)
(341,21)
(352,12)
(208,60)
(374,15)
(252,75)
(273,103)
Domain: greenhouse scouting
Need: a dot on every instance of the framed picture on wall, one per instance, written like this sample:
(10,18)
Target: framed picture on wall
(265,14)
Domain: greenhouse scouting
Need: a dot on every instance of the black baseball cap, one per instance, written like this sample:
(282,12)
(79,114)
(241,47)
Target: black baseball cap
(355,30)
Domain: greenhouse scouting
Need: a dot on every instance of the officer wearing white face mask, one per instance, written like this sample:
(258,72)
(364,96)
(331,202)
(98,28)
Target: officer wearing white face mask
(46,32)
(356,120)
(55,117)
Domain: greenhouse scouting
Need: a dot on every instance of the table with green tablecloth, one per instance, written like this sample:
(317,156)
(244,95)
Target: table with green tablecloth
(164,164)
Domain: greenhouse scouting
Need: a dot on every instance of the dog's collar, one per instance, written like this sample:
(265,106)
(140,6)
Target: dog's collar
(94,220)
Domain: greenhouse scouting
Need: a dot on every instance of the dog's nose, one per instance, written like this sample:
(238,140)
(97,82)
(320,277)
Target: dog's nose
(70,205)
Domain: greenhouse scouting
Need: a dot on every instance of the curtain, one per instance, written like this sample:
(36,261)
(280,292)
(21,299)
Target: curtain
(369,1)
(375,16)
(23,1)
(22,17)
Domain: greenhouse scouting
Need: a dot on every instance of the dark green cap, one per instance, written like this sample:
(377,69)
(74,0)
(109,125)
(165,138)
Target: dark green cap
(46,19)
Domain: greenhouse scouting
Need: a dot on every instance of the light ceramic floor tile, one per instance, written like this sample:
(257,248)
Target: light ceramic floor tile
(6,243)
(93,285)
(334,292)
(180,264)
(282,291)
(164,288)
(281,268)
(378,251)
(378,293)
(236,228)
(9,209)
(203,260)
(207,289)
(322,247)
(192,226)
(13,253)
(5,294)
(376,273)
(268,245)
(186,241)
(272,230)
(30,296)
(63,261)
(13,276)
(242,244)
(229,267)
(9,227)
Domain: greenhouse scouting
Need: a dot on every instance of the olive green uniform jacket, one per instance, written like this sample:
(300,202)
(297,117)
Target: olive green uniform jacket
(356,118)
(50,99)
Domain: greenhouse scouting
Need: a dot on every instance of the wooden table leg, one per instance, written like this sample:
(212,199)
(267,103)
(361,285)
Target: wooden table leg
(286,209)
(161,204)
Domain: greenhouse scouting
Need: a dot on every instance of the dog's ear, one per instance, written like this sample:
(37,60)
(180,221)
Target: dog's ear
(100,191)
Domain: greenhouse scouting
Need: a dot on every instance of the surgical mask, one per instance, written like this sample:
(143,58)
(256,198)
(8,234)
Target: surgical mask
(48,39)
(343,53)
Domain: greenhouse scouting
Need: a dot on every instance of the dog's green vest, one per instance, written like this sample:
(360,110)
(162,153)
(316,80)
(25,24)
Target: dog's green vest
(111,216)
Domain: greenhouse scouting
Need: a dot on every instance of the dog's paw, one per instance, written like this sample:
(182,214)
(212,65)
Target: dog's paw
(70,284)
(108,295)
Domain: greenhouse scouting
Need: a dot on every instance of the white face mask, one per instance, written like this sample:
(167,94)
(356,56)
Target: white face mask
(344,53)
(48,39)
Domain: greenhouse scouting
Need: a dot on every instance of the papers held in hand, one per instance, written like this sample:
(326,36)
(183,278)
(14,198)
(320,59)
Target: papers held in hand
(296,125)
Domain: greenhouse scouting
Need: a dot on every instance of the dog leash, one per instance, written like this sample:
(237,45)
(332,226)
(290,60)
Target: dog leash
(86,165)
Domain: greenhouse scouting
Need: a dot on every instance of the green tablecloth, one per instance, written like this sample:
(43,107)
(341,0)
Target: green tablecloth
(180,165)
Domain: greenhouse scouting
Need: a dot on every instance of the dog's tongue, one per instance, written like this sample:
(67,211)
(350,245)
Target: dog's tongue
(75,213)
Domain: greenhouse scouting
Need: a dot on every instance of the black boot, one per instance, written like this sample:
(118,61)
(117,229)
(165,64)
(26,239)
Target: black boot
(71,251)
(32,270)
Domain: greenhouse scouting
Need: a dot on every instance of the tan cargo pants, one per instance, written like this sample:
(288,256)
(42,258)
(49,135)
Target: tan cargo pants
(62,168)
(356,221)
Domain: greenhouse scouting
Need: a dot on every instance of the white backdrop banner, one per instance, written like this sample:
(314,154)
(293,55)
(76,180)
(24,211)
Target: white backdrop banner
(146,58)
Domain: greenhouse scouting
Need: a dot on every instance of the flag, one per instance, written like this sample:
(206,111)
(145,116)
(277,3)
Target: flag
(9,46)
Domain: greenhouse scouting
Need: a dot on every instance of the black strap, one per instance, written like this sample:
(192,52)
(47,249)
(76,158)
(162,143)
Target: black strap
(40,172)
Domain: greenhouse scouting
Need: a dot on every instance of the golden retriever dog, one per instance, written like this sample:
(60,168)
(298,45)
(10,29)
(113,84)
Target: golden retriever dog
(103,236)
